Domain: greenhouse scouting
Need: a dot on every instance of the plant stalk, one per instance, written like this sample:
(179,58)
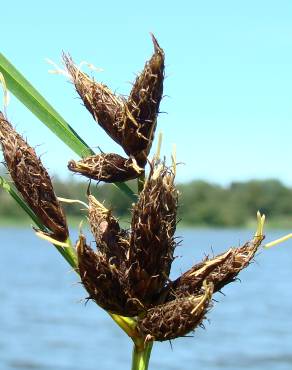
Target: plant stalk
(141,182)
(141,356)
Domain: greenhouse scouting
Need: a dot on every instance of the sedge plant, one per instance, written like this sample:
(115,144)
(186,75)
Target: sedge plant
(127,272)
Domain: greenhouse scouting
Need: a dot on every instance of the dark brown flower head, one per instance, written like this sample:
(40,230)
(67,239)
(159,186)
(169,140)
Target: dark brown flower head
(220,270)
(129,273)
(176,318)
(32,180)
(105,281)
(106,107)
(143,107)
(152,234)
(130,123)
(107,167)
(141,258)
(110,239)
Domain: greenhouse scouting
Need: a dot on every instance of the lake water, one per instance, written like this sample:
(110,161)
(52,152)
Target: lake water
(44,325)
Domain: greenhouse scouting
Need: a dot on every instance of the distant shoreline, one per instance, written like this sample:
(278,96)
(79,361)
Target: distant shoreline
(74,222)
(202,205)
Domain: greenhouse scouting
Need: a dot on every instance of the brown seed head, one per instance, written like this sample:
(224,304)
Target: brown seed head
(176,318)
(104,280)
(106,107)
(220,270)
(32,180)
(107,167)
(143,107)
(152,234)
(130,123)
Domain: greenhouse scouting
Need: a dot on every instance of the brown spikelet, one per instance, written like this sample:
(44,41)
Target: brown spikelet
(106,107)
(143,106)
(152,234)
(130,123)
(220,270)
(104,281)
(176,318)
(32,180)
(108,167)
(110,239)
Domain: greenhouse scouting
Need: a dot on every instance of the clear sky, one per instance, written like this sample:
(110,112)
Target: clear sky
(228,85)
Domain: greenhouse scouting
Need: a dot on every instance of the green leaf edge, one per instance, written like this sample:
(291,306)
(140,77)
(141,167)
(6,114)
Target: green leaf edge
(37,104)
(67,252)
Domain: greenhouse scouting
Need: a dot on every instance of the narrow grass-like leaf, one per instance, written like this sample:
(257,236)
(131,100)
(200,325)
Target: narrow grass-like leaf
(38,105)
(10,190)
(68,252)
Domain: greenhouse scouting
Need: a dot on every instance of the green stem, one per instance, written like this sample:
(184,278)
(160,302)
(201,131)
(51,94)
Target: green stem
(69,254)
(141,183)
(141,356)
(125,323)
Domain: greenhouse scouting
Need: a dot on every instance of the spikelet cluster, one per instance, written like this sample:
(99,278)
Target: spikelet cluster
(142,255)
(32,180)
(129,122)
(177,317)
(220,270)
(152,242)
(128,271)
(108,167)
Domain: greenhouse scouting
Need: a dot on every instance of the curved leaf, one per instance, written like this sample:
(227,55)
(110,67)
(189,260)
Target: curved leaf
(37,104)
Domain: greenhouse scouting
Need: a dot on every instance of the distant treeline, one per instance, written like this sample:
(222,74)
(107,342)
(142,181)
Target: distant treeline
(200,203)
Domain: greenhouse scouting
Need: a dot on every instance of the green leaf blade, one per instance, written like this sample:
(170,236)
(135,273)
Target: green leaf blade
(13,193)
(67,252)
(38,105)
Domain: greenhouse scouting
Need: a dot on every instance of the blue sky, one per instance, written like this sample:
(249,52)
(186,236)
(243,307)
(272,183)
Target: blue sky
(228,85)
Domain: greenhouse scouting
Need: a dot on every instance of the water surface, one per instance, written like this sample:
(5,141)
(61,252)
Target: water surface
(45,325)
